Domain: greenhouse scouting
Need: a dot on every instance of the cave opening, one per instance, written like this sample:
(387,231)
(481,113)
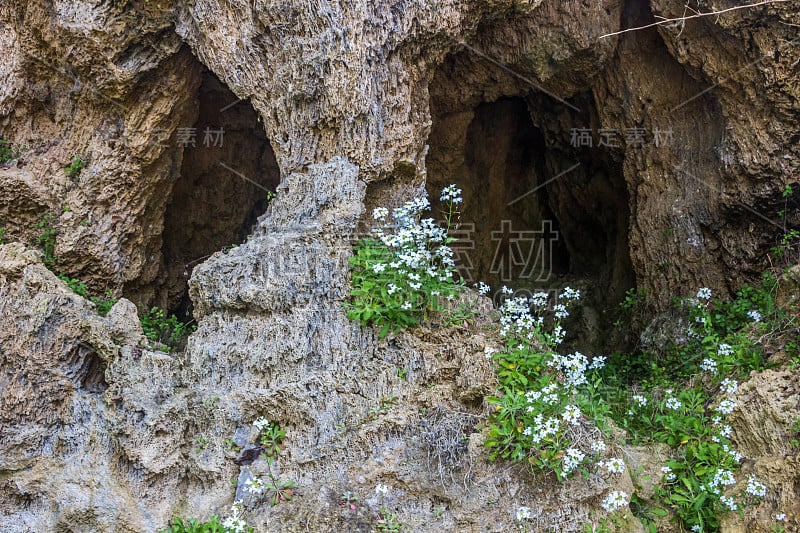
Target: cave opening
(227,176)
(544,207)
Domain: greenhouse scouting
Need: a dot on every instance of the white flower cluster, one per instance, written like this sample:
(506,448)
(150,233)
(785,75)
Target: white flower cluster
(254,485)
(709,365)
(755,488)
(418,245)
(704,293)
(261,423)
(730,386)
(669,475)
(234,523)
(451,193)
(614,501)
(672,402)
(523,513)
(598,446)
(574,367)
(725,407)
(522,317)
(571,415)
(614,465)
(542,428)
(725,349)
(729,502)
(572,458)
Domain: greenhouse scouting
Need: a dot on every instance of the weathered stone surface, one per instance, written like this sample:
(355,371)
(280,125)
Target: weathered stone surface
(352,97)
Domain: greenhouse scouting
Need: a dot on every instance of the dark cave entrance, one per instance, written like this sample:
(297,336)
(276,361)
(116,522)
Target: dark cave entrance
(226,175)
(543,208)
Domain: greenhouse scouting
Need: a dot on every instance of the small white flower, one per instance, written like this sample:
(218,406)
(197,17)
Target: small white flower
(570,294)
(730,386)
(780,517)
(696,528)
(755,488)
(725,349)
(261,423)
(598,362)
(560,311)
(378,267)
(381,489)
(254,486)
(615,465)
(726,407)
(709,365)
(673,403)
(483,289)
(489,352)
(729,503)
(451,193)
(640,400)
(507,290)
(572,415)
(755,315)
(614,501)
(572,458)
(523,513)
(392,288)
(379,213)
(598,446)
(406,306)
(704,293)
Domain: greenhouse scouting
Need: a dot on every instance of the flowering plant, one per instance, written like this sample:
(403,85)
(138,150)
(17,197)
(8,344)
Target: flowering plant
(405,267)
(546,398)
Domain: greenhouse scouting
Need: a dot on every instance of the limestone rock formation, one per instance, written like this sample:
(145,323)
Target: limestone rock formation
(190,112)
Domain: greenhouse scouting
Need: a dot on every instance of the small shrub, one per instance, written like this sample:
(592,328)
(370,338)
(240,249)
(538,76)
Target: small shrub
(102,304)
(75,167)
(166,330)
(405,268)
(8,152)
(546,399)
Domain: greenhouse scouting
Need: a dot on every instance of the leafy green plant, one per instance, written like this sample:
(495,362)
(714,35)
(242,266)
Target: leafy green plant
(270,437)
(278,491)
(274,490)
(349,499)
(75,167)
(46,240)
(231,446)
(102,304)
(546,398)
(192,525)
(166,330)
(385,403)
(200,444)
(2,235)
(233,523)
(696,483)
(8,152)
(402,271)
(388,521)
(211,403)
(402,373)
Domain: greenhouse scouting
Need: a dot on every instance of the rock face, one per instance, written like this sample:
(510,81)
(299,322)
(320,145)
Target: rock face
(347,106)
